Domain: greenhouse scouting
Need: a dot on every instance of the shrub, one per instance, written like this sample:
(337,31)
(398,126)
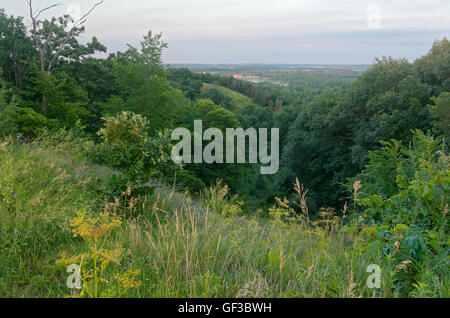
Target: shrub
(127,145)
(405,190)
(408,185)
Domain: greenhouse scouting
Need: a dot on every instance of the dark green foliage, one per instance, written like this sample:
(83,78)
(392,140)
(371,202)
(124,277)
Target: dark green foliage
(441,113)
(213,115)
(384,131)
(217,97)
(330,139)
(186,81)
(328,120)
(434,68)
(16,49)
(65,101)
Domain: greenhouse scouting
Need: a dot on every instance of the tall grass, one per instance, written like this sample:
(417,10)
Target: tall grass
(183,246)
(42,185)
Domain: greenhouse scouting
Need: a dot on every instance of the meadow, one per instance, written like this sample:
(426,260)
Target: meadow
(171,244)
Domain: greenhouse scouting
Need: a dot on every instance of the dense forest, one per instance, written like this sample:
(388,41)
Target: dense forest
(364,175)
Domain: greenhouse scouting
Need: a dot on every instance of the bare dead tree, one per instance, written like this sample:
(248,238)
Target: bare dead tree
(43,45)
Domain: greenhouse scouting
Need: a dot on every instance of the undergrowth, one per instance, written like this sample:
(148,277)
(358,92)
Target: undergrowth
(168,244)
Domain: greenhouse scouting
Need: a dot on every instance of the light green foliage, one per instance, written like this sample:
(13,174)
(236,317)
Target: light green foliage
(146,90)
(99,262)
(31,122)
(126,145)
(405,189)
(41,186)
(218,200)
(408,185)
(231,99)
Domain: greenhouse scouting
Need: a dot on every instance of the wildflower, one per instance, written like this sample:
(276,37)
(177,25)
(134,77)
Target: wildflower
(127,279)
(357,186)
(127,192)
(15,194)
(403,266)
(67,260)
(87,226)
(95,229)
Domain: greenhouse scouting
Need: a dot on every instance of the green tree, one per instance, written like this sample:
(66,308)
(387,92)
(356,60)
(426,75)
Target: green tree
(441,111)
(434,67)
(57,37)
(65,102)
(16,49)
(146,90)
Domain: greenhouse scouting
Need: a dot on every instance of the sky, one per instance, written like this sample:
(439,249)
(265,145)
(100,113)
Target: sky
(263,31)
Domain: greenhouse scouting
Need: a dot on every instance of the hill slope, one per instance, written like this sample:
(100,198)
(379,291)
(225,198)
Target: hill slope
(166,244)
(237,99)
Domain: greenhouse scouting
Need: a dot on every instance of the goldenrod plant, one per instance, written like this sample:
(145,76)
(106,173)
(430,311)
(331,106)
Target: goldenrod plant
(97,279)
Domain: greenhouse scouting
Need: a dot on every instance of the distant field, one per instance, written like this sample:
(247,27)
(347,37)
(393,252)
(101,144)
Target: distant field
(237,68)
(284,75)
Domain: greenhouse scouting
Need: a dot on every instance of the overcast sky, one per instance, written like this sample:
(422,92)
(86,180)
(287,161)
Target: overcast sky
(265,31)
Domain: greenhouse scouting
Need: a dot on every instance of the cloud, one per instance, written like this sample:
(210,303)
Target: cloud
(265,30)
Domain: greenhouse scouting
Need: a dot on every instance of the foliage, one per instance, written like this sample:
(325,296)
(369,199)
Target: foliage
(145,89)
(42,184)
(340,130)
(182,248)
(8,113)
(408,185)
(125,144)
(405,189)
(217,199)
(97,279)
(65,101)
(16,49)
(385,102)
(441,110)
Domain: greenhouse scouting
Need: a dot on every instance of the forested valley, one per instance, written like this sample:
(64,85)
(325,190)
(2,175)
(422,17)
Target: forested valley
(86,175)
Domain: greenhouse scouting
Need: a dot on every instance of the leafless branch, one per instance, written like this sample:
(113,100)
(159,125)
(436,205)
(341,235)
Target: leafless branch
(83,18)
(33,21)
(78,23)
(42,47)
(48,8)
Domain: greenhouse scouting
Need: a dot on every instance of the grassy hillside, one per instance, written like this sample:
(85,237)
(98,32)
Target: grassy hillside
(166,244)
(237,99)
